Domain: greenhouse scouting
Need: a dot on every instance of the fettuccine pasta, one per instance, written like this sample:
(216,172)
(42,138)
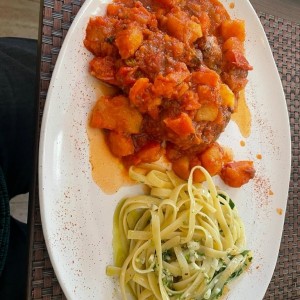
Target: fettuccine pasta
(181,241)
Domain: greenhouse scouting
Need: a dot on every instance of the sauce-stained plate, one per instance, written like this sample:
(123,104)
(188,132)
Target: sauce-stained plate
(77,215)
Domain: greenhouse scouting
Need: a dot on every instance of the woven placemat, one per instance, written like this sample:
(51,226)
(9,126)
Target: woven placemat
(284,38)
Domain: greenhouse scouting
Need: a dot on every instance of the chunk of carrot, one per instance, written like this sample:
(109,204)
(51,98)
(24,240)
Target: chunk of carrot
(206,76)
(182,125)
(233,28)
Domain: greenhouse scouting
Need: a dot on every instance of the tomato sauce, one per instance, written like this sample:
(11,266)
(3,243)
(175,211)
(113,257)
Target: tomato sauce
(179,67)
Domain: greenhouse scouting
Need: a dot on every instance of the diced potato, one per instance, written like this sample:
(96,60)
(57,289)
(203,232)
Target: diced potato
(212,159)
(198,176)
(182,27)
(113,9)
(128,41)
(233,28)
(96,34)
(95,28)
(114,113)
(195,31)
(150,152)
(175,26)
(181,167)
(207,112)
(233,43)
(228,98)
(182,89)
(237,173)
(120,144)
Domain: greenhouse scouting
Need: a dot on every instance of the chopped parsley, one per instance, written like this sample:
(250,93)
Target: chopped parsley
(110,39)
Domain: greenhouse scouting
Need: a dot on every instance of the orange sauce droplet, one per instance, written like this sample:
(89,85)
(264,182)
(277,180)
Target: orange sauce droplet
(271,193)
(259,156)
(242,143)
(279,211)
(107,170)
(231,5)
(242,116)
(228,154)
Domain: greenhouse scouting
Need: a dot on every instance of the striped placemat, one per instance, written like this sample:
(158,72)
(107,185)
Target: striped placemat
(284,38)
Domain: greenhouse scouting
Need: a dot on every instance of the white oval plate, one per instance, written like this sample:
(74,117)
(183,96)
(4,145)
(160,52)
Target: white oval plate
(77,216)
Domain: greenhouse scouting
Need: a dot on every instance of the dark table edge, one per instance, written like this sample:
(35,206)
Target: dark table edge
(33,192)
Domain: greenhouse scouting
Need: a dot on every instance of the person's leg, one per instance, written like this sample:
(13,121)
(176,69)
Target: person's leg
(17,112)
(4,221)
(14,275)
(17,128)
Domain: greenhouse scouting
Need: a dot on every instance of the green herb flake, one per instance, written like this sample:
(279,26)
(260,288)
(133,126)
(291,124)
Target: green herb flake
(236,274)
(223,196)
(231,204)
(131,62)
(245,252)
(110,39)
(166,255)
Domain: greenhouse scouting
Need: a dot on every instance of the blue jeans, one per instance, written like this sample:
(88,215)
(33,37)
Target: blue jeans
(17,137)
